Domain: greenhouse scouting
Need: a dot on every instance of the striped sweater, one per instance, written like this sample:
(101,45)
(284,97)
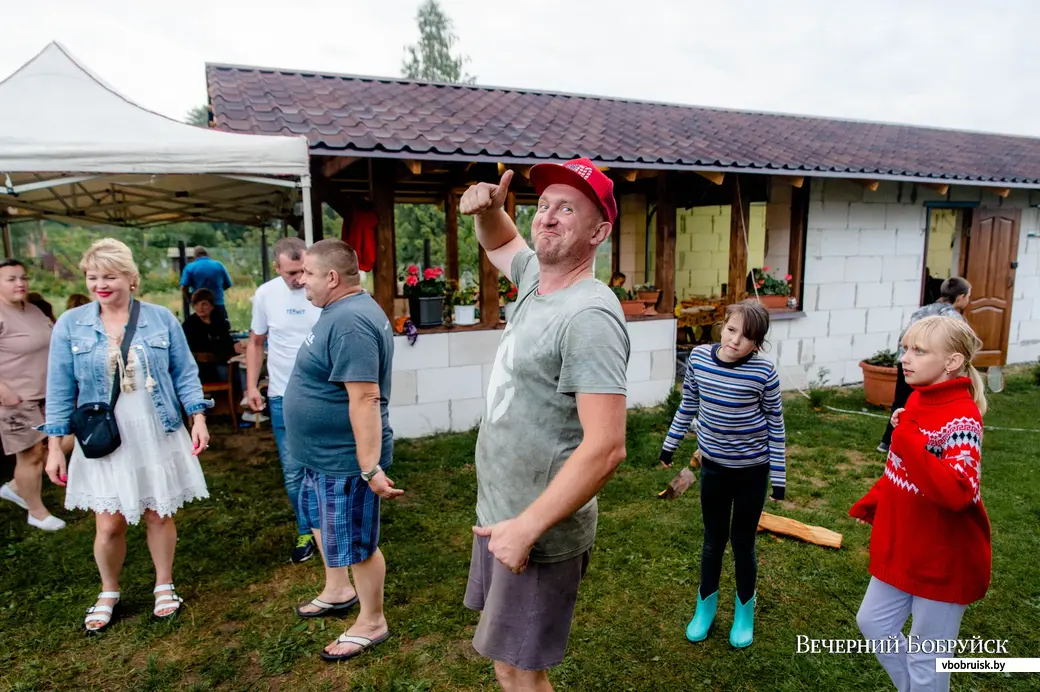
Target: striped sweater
(738,410)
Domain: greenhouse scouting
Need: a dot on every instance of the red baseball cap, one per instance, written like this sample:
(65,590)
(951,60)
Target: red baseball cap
(581,174)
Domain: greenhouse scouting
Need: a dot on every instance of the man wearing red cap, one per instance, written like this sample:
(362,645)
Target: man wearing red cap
(553,431)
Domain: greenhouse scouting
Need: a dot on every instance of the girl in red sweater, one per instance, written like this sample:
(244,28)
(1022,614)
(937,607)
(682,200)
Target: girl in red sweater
(930,550)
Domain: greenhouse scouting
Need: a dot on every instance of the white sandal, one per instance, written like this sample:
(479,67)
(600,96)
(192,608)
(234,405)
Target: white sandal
(170,600)
(102,613)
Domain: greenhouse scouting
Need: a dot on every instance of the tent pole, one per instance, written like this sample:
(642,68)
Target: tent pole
(308,219)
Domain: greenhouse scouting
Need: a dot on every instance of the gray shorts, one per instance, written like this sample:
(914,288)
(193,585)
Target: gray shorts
(525,618)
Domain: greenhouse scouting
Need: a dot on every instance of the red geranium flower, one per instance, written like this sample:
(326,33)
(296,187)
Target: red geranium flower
(412,269)
(766,268)
(429,274)
(788,277)
(437,271)
(412,280)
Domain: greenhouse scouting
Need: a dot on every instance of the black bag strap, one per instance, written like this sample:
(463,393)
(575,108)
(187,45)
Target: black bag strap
(128,336)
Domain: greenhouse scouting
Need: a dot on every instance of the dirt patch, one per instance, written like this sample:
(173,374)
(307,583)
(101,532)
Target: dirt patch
(798,451)
(856,461)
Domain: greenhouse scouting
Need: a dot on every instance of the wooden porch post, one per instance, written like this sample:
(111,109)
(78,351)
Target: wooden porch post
(489,277)
(615,240)
(318,181)
(664,263)
(8,247)
(740,211)
(796,255)
(451,233)
(381,177)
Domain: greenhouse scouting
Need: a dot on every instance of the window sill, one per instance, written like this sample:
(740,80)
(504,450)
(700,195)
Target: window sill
(781,314)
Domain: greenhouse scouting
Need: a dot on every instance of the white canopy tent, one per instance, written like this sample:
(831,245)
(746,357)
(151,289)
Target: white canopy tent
(74,149)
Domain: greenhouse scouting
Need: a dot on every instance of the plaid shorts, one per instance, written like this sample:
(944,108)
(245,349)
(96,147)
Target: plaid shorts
(346,511)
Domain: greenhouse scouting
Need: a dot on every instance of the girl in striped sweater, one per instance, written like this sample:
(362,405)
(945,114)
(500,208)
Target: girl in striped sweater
(733,393)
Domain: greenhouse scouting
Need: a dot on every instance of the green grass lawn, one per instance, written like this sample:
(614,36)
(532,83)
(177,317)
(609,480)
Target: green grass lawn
(238,630)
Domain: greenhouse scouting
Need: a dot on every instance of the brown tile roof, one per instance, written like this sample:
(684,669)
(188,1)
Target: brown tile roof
(359,115)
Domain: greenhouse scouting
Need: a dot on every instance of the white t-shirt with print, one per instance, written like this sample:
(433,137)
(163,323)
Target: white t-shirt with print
(286,316)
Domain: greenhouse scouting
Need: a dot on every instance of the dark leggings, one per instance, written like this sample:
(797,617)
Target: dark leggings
(903,392)
(742,491)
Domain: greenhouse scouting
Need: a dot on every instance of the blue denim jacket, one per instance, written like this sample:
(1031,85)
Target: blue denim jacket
(77,369)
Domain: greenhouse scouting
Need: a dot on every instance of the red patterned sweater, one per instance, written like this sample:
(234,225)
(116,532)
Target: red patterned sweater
(931,534)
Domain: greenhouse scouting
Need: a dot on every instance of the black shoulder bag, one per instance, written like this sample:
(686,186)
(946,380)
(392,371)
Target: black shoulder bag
(94,424)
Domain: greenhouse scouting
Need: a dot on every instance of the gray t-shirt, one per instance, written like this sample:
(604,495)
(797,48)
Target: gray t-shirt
(555,346)
(351,342)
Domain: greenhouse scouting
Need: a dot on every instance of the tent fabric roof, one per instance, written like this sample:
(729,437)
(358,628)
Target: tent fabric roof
(352,115)
(125,165)
(59,116)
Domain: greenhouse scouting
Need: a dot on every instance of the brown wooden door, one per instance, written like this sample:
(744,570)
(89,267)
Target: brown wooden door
(992,251)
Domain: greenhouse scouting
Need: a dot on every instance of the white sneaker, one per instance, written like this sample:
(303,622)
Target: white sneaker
(11,496)
(51,523)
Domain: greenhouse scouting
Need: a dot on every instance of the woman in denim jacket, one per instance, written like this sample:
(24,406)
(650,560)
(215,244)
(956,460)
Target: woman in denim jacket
(155,470)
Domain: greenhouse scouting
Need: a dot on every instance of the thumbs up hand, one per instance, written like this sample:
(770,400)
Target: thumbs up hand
(485,197)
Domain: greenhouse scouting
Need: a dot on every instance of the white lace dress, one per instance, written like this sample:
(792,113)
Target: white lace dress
(149,470)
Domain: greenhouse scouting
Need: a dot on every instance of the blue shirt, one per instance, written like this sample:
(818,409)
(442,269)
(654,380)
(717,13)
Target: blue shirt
(206,272)
(352,341)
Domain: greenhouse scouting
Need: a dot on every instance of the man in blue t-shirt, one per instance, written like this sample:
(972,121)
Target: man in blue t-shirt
(337,425)
(206,272)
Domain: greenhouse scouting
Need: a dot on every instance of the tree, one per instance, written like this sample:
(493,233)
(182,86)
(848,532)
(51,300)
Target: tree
(431,58)
(199,115)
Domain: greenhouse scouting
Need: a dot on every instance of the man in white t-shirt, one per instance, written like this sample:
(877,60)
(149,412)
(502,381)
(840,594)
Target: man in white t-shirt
(282,317)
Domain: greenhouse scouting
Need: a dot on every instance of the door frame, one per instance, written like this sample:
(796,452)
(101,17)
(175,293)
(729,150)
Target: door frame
(968,207)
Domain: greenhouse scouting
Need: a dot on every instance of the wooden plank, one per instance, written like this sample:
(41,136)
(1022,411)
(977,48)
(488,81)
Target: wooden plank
(331,165)
(796,253)
(714,176)
(629,175)
(414,166)
(739,217)
(511,205)
(382,179)
(664,264)
(941,188)
(488,291)
(451,233)
(793,181)
(870,185)
(1002,192)
(789,527)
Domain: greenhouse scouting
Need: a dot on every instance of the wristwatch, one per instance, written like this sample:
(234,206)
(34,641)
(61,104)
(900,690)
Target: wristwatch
(367,476)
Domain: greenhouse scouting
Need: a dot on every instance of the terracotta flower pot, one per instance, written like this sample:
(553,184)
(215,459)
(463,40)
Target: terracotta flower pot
(633,307)
(879,384)
(649,297)
(773,302)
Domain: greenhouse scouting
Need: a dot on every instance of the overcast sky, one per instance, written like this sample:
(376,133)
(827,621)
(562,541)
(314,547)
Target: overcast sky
(948,63)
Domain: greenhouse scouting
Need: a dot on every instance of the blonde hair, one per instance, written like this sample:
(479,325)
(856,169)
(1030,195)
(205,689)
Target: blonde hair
(109,254)
(952,335)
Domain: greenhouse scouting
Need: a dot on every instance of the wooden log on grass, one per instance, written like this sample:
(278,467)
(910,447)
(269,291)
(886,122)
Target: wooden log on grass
(789,527)
(678,485)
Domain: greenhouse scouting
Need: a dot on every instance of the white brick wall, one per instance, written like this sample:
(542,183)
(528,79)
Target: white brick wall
(439,384)
(864,253)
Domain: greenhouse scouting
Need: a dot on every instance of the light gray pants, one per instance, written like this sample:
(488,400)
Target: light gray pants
(884,612)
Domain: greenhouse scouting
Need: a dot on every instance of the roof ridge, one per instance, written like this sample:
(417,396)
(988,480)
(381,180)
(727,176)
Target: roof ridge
(598,97)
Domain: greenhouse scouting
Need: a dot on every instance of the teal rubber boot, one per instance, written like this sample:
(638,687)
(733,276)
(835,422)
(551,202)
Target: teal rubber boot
(697,630)
(743,630)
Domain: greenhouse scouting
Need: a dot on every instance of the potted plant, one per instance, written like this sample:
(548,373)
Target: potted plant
(507,292)
(464,304)
(629,304)
(772,292)
(879,378)
(648,293)
(425,296)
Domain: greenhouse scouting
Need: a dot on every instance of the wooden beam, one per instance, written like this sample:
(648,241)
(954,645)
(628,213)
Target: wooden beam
(793,181)
(643,173)
(381,175)
(870,185)
(414,166)
(664,261)
(796,254)
(488,291)
(615,239)
(739,217)
(511,205)
(713,176)
(451,233)
(331,165)
(1002,192)
(8,247)
(630,176)
(941,188)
